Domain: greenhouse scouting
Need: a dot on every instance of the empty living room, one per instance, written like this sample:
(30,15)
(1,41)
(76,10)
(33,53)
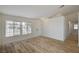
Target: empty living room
(39,28)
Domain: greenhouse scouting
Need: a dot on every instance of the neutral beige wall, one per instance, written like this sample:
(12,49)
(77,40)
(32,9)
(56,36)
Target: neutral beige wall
(36,28)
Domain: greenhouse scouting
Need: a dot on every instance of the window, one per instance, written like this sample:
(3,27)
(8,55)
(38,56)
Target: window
(14,28)
(75,26)
(9,28)
(29,28)
(24,28)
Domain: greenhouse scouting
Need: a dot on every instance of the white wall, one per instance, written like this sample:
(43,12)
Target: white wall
(71,27)
(0,29)
(54,27)
(78,29)
(36,29)
(66,28)
(69,23)
(72,18)
(57,27)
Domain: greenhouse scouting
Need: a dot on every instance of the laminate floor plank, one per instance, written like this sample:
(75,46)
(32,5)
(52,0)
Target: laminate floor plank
(43,45)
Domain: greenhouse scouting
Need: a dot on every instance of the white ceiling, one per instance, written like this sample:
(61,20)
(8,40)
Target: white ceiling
(37,11)
(28,10)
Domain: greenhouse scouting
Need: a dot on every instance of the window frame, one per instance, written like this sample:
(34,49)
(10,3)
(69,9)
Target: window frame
(20,28)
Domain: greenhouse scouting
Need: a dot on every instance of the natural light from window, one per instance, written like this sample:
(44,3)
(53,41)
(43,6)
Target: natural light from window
(75,26)
(14,28)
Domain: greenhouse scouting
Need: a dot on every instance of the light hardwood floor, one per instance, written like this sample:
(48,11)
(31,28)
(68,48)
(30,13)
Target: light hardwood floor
(42,45)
